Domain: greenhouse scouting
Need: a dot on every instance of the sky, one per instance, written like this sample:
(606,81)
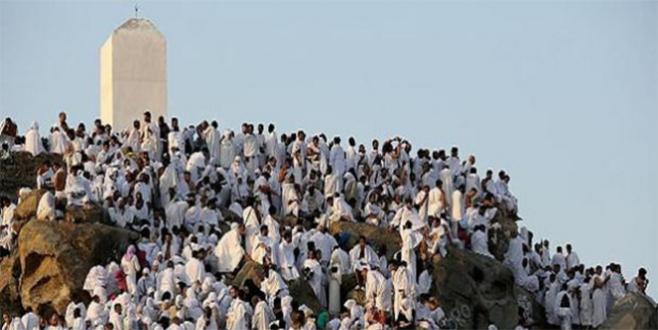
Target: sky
(562,95)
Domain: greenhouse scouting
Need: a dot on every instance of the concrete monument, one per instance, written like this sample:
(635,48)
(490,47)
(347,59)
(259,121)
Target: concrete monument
(133,75)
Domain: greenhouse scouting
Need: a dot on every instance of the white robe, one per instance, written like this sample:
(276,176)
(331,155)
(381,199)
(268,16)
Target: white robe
(369,256)
(316,280)
(195,270)
(335,279)
(46,207)
(238,316)
(226,152)
(435,201)
(403,287)
(263,315)
(33,143)
(212,138)
(59,142)
(287,261)
(376,290)
(229,251)
(479,243)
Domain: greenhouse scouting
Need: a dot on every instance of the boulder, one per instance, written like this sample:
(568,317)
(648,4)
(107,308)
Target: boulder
(56,256)
(348,290)
(27,208)
(251,270)
(87,213)
(299,289)
(376,236)
(303,294)
(20,170)
(10,300)
(533,311)
(474,290)
(501,233)
(633,311)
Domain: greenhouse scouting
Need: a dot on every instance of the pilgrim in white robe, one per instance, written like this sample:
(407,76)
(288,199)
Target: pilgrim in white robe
(436,202)
(252,225)
(213,138)
(238,317)
(586,304)
(422,201)
(563,308)
(376,290)
(263,315)
(130,266)
(572,260)
(30,321)
(262,248)
(448,187)
(195,270)
(410,241)
(59,142)
(549,303)
(226,150)
(362,255)
(479,243)
(457,206)
(33,143)
(403,287)
(316,279)
(335,279)
(229,251)
(273,286)
(46,207)
(287,261)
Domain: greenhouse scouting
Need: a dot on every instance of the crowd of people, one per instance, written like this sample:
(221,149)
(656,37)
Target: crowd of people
(182,189)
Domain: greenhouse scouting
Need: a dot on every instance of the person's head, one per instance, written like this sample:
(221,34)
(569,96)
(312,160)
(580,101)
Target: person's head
(393,266)
(287,236)
(62,117)
(362,241)
(270,128)
(375,144)
(118,308)
(54,320)
(568,248)
(233,291)
(559,249)
(147,116)
(642,273)
(6,319)
(136,124)
(263,230)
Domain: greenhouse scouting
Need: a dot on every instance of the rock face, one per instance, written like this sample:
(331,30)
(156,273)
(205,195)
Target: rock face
(10,299)
(500,236)
(20,170)
(376,236)
(86,213)
(56,256)
(475,290)
(303,294)
(532,310)
(27,208)
(634,311)
(298,289)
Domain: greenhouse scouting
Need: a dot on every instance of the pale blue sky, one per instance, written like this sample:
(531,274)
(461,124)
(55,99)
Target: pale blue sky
(563,95)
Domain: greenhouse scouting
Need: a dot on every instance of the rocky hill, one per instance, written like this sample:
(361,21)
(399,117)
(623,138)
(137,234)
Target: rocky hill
(49,266)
